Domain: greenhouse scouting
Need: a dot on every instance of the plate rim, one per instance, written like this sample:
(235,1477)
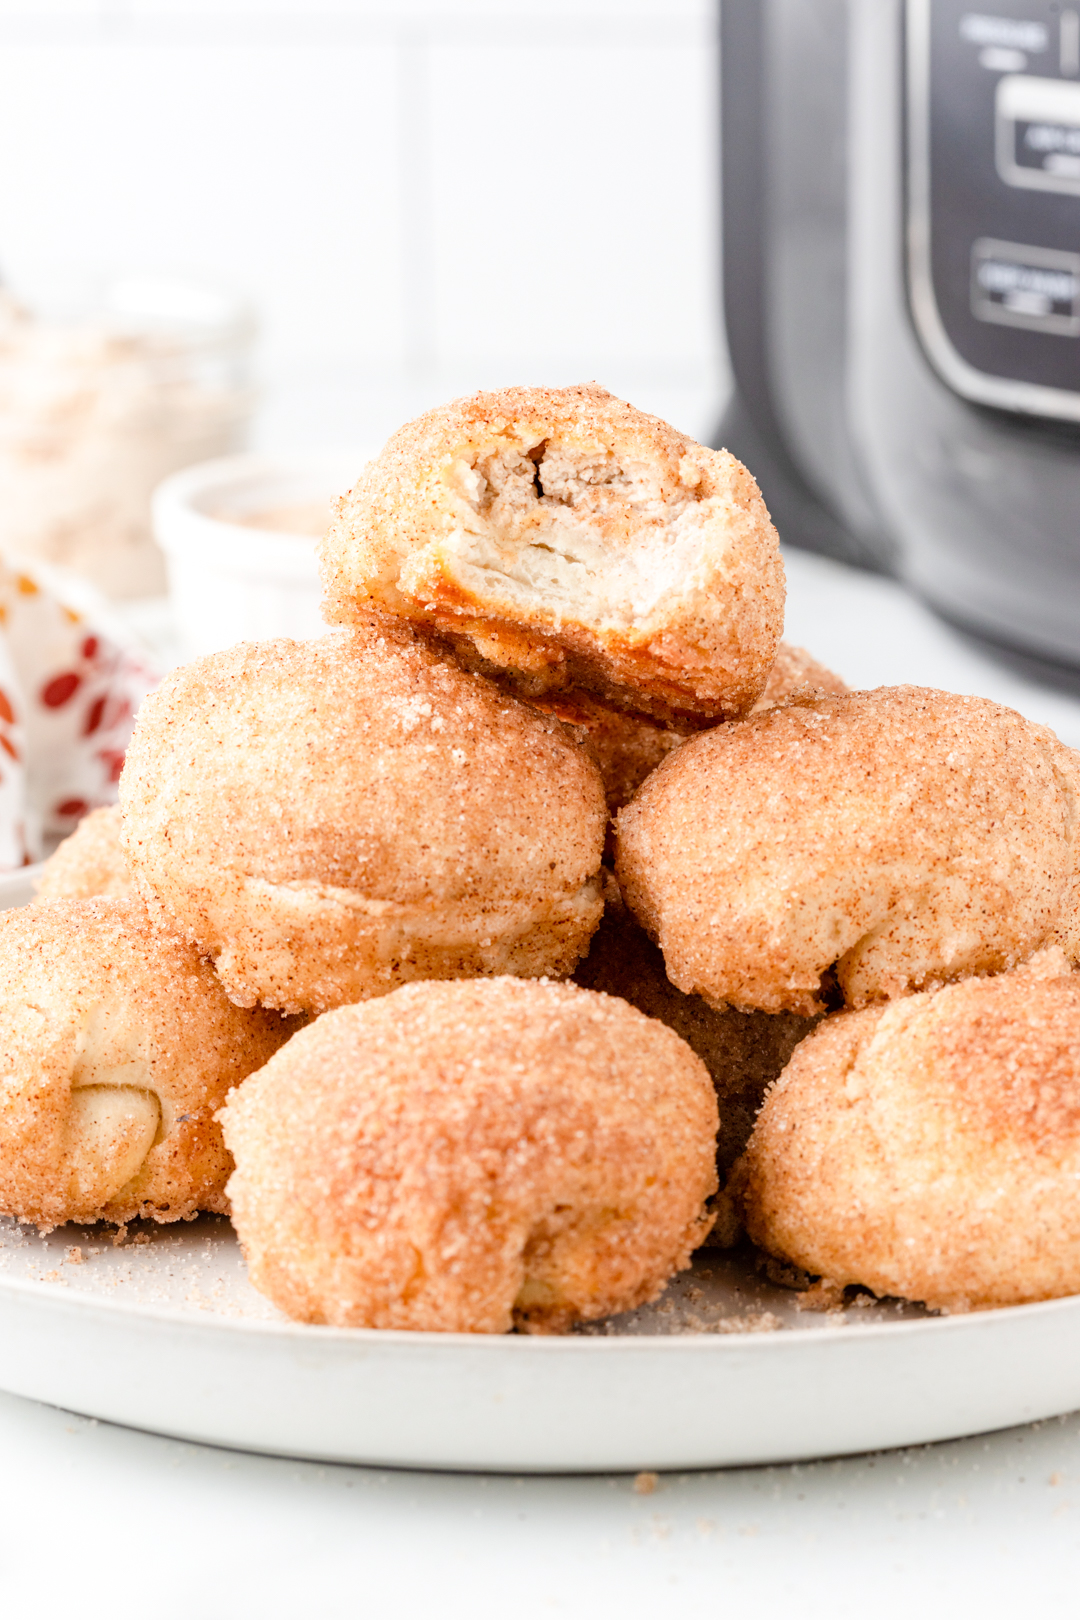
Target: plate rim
(544,1344)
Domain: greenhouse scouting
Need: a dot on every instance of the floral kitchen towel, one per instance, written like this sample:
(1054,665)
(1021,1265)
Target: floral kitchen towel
(69,691)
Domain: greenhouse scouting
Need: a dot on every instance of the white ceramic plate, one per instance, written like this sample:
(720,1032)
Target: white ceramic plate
(166,1333)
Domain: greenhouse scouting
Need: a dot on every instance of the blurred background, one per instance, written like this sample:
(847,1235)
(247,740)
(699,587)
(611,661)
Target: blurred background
(416,197)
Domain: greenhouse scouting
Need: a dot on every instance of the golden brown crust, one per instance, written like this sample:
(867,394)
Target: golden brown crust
(89,862)
(96,999)
(902,836)
(931,1149)
(458,1157)
(329,819)
(567,537)
(743,1052)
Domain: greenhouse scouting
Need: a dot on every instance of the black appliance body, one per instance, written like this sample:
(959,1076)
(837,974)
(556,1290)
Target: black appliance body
(901,218)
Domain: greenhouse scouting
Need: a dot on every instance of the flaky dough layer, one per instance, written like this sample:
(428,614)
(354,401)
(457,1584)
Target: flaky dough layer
(573,541)
(931,1149)
(119,1045)
(461,1157)
(329,819)
(898,837)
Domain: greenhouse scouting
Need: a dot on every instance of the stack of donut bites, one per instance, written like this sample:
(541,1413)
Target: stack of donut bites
(483,956)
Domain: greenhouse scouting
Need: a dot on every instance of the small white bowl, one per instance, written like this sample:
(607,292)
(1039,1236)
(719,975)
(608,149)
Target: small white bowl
(229,579)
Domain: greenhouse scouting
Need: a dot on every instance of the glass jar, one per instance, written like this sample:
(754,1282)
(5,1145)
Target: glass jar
(101,396)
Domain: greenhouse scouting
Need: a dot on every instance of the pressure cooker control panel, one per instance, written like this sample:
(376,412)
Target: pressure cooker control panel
(993,189)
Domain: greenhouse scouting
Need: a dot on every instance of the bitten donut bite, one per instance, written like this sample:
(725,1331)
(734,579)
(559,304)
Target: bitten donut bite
(119,1045)
(895,837)
(89,862)
(560,535)
(328,819)
(461,1157)
(931,1148)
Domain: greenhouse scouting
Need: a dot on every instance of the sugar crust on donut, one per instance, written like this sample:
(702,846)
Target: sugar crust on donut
(119,1045)
(931,1148)
(898,836)
(563,536)
(626,747)
(329,819)
(467,1156)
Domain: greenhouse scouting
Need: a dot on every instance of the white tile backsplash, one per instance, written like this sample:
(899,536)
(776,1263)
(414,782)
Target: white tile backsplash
(454,14)
(270,168)
(571,204)
(52,10)
(420,196)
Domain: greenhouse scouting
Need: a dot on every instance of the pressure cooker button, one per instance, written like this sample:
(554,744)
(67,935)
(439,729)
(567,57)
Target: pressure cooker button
(1033,287)
(1037,133)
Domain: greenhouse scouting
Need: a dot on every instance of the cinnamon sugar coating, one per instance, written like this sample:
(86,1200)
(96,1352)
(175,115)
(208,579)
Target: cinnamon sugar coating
(89,862)
(329,819)
(898,837)
(570,541)
(119,1045)
(744,1052)
(464,1157)
(931,1148)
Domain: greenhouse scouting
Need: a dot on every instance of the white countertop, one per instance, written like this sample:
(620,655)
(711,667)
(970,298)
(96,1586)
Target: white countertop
(98,1521)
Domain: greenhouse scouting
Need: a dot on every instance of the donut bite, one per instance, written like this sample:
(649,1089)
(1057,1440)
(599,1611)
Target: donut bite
(330,819)
(89,862)
(743,1052)
(568,541)
(628,747)
(470,1156)
(865,846)
(119,1045)
(625,747)
(931,1148)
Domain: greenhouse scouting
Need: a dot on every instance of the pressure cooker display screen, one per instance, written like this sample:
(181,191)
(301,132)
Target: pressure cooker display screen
(994,199)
